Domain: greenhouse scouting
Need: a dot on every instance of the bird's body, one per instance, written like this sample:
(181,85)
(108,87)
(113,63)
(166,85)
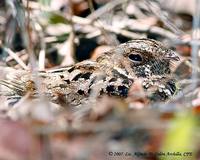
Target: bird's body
(112,74)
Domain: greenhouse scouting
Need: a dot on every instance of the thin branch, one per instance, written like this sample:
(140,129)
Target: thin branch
(29,44)
(42,53)
(106,8)
(70,53)
(42,60)
(110,39)
(137,25)
(195,45)
(86,21)
(16,58)
(156,10)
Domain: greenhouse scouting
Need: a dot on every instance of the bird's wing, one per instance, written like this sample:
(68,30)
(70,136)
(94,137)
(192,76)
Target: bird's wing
(72,81)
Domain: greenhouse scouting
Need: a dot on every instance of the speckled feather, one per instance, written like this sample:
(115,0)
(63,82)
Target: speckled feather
(112,73)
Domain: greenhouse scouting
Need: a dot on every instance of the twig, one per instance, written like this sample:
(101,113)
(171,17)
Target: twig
(42,53)
(106,8)
(66,49)
(195,44)
(41,65)
(138,27)
(86,21)
(29,46)
(16,58)
(70,54)
(155,9)
(110,39)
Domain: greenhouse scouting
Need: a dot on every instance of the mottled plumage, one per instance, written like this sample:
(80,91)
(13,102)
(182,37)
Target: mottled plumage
(112,73)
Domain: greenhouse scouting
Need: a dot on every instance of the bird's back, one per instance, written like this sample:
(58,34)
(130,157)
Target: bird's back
(112,74)
(71,85)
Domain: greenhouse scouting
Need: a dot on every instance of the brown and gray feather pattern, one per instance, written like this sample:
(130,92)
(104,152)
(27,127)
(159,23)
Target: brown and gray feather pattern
(112,74)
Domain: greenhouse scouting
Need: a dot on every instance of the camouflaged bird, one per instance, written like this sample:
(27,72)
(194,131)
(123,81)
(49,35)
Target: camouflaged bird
(111,74)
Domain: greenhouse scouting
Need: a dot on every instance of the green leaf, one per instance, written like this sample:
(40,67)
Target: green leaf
(55,18)
(179,138)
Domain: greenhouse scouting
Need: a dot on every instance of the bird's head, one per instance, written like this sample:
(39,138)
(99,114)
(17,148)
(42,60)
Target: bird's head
(145,57)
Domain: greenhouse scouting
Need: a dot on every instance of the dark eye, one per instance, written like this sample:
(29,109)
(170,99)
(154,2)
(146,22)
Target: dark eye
(135,57)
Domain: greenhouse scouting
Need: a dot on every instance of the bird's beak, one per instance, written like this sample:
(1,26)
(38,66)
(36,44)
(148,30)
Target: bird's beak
(172,56)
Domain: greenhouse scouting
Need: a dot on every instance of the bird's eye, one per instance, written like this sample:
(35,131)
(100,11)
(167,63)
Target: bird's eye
(135,57)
